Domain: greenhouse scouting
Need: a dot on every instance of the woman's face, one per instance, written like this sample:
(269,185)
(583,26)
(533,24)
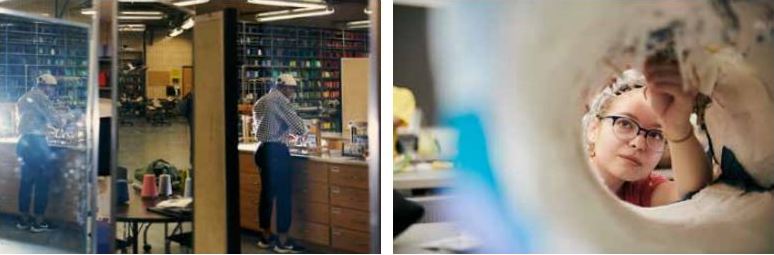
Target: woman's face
(627,159)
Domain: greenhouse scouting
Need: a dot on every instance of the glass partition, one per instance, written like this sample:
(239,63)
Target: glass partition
(46,151)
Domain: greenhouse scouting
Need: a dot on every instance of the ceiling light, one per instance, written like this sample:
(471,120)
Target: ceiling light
(140,17)
(141,13)
(131,28)
(188,24)
(190,2)
(88,11)
(273,13)
(359,22)
(137,1)
(296,14)
(291,3)
(176,32)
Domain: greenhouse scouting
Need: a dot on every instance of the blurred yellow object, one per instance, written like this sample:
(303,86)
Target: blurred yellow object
(403,104)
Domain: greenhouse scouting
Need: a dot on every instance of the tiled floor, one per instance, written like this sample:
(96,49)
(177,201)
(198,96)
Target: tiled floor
(249,241)
(63,239)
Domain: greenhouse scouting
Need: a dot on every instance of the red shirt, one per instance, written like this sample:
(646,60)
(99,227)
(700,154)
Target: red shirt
(640,192)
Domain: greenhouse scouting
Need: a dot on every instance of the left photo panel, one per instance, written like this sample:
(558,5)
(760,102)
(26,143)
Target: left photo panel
(189,126)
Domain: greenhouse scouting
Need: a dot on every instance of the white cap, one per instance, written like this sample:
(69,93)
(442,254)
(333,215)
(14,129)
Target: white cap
(47,79)
(287,80)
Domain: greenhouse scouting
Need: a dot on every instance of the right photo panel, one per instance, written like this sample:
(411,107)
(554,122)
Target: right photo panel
(583,127)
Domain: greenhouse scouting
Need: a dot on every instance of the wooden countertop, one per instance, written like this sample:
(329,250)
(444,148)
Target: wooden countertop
(252,147)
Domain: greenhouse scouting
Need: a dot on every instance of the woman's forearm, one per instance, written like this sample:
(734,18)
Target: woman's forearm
(690,165)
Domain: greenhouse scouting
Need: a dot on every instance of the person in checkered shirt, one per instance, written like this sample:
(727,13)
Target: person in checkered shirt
(273,120)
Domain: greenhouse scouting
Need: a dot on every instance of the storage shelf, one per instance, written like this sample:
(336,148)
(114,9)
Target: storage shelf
(300,44)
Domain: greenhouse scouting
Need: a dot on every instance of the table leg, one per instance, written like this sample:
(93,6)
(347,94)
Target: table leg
(166,241)
(135,233)
(146,247)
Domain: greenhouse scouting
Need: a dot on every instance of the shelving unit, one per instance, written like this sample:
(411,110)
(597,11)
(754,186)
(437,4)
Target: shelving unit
(131,83)
(29,49)
(312,55)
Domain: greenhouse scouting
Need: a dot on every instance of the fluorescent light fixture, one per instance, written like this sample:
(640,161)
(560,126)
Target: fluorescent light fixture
(137,1)
(176,32)
(295,14)
(88,11)
(131,27)
(359,22)
(291,3)
(273,13)
(190,2)
(188,24)
(367,11)
(140,17)
(154,13)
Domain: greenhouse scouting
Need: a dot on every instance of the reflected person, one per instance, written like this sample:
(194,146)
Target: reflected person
(36,114)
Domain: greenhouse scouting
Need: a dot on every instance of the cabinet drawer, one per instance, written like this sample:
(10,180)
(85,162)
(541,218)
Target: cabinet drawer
(349,176)
(349,198)
(311,232)
(312,212)
(350,219)
(311,192)
(349,240)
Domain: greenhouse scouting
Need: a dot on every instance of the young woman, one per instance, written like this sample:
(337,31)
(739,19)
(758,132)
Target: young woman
(628,127)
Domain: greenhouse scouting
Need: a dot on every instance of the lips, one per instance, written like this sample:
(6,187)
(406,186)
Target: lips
(631,159)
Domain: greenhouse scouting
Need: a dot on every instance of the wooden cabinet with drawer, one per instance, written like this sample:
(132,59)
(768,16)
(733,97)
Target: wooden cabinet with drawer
(349,175)
(349,218)
(349,197)
(350,240)
(330,202)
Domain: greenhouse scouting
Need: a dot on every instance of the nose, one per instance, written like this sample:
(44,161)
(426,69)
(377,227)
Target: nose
(638,142)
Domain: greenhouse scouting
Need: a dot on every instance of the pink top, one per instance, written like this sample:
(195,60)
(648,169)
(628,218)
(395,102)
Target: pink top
(640,192)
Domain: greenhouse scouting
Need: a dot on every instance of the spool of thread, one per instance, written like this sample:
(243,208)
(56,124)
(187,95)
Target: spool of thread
(188,191)
(122,192)
(165,185)
(149,186)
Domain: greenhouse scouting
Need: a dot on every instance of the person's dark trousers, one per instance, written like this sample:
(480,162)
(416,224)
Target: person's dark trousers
(36,172)
(273,159)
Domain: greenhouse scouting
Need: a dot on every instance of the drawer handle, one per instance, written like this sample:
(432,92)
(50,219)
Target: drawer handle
(335,190)
(336,210)
(335,169)
(336,233)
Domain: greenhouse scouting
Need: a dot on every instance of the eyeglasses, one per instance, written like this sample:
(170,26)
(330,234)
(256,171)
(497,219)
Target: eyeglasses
(626,129)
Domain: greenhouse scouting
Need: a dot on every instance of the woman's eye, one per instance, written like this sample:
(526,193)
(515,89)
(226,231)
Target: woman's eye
(656,136)
(625,124)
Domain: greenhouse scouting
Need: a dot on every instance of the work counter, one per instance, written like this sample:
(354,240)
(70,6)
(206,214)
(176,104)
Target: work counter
(330,199)
(252,147)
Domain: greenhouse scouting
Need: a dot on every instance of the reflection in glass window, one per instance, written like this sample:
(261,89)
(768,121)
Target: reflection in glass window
(45,166)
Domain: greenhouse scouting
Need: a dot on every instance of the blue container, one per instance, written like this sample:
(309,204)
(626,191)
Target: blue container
(122,192)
